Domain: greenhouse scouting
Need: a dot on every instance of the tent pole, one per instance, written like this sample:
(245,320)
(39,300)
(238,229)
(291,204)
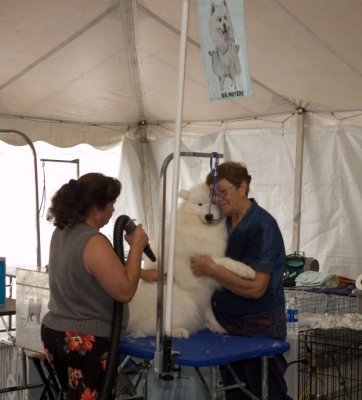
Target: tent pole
(175,181)
(176,167)
(37,222)
(298,178)
(142,130)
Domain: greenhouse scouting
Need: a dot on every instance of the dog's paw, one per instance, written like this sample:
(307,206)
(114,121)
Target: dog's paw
(246,272)
(237,267)
(180,333)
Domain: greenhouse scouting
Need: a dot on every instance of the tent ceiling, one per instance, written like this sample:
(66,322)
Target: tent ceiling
(116,62)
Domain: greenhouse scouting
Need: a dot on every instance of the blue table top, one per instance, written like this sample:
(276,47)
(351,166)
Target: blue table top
(207,348)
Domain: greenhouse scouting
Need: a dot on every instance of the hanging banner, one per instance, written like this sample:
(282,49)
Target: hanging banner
(223,47)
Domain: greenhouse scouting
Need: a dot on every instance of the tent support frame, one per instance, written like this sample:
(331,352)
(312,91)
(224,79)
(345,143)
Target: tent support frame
(37,222)
(142,131)
(298,179)
(160,361)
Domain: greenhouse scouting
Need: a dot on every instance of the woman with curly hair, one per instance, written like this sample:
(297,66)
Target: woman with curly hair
(85,277)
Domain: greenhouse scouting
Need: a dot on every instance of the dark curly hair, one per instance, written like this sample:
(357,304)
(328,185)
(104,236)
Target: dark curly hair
(73,201)
(234,172)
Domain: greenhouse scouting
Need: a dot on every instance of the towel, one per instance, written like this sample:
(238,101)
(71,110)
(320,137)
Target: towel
(315,278)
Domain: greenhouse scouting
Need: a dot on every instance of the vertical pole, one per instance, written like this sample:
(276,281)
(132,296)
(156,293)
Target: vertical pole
(298,178)
(142,130)
(165,342)
(176,166)
(37,220)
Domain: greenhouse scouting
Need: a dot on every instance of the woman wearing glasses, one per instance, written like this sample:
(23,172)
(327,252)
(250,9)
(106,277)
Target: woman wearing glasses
(248,307)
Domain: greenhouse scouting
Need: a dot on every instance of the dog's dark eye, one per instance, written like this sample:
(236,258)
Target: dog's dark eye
(200,204)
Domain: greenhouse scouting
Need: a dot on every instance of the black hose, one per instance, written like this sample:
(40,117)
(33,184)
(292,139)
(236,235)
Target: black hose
(114,348)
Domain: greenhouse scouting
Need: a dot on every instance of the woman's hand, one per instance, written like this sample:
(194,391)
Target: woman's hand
(137,239)
(151,275)
(202,265)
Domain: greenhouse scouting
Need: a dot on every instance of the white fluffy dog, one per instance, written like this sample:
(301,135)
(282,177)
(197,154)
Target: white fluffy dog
(191,308)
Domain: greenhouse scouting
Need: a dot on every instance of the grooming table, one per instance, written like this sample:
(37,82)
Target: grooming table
(208,349)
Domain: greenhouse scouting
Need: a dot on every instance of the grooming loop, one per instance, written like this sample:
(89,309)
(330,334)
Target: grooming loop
(214,168)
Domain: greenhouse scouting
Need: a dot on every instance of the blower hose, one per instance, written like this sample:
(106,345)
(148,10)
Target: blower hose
(114,348)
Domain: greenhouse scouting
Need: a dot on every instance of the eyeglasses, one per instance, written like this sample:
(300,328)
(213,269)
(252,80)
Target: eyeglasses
(221,193)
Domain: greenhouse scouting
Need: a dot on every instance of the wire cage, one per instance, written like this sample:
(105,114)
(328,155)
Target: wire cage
(330,364)
(321,303)
(12,372)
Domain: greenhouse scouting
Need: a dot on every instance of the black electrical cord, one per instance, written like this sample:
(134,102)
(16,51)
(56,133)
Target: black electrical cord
(114,348)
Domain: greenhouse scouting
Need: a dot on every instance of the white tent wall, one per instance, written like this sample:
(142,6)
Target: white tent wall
(330,226)
(269,154)
(18,242)
(268,149)
(132,199)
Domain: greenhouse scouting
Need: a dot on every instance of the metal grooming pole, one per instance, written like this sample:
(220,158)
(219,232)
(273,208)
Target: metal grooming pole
(163,355)
(37,221)
(75,161)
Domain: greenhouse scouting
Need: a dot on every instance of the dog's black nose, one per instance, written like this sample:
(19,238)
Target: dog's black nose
(209,217)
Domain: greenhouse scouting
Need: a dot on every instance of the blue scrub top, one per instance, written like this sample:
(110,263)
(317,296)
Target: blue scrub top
(257,242)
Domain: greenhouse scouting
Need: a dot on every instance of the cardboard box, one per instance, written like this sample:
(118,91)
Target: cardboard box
(32,296)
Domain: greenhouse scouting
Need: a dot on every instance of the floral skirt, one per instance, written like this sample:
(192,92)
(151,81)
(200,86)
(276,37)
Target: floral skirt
(79,361)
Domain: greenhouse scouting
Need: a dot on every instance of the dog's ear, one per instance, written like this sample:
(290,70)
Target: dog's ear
(183,194)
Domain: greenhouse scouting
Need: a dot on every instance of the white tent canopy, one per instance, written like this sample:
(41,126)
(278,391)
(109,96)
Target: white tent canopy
(115,63)
(105,72)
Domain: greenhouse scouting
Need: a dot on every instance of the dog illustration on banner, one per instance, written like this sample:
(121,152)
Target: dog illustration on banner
(224,56)
(34,310)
